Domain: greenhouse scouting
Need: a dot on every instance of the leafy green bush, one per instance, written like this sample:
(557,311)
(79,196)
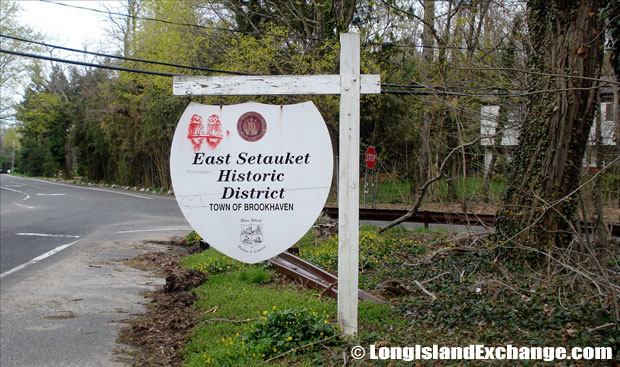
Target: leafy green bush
(192,238)
(212,262)
(277,331)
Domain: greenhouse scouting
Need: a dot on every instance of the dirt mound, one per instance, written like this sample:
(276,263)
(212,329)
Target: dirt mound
(184,281)
(162,263)
(158,336)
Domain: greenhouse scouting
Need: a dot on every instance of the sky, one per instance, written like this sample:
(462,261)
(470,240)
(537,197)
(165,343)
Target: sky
(68,27)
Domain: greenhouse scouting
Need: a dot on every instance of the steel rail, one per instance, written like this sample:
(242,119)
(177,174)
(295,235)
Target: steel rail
(429,217)
(311,275)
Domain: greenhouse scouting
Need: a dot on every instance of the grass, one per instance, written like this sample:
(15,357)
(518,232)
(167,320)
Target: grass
(245,294)
(389,192)
(19,174)
(429,230)
(396,192)
(237,298)
(399,192)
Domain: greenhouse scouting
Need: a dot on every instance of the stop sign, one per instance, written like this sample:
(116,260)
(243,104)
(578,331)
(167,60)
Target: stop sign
(371,157)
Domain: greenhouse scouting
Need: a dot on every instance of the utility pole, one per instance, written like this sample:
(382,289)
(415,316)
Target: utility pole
(13,158)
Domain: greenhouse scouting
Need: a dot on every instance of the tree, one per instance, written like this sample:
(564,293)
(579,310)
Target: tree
(44,122)
(12,68)
(10,146)
(565,63)
(37,113)
(612,15)
(124,31)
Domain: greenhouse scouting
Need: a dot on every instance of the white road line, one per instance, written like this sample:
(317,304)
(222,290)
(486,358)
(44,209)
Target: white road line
(25,206)
(21,192)
(51,194)
(153,230)
(37,259)
(47,235)
(87,188)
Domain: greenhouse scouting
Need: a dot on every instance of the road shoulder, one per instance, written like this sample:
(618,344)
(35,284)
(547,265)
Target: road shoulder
(71,313)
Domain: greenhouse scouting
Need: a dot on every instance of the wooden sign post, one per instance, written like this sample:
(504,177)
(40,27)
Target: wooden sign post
(349,84)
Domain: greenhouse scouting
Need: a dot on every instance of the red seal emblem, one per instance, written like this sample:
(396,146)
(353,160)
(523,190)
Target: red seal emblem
(251,126)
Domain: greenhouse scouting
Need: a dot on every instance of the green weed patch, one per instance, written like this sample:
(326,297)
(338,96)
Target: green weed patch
(250,318)
(375,249)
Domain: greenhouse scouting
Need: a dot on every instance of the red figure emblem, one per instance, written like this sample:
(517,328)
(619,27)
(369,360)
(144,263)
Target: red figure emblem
(194,131)
(197,134)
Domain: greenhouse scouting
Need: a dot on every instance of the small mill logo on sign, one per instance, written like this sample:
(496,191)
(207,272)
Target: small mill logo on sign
(251,234)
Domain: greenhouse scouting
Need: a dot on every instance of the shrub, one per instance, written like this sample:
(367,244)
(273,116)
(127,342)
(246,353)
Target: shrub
(277,331)
(192,238)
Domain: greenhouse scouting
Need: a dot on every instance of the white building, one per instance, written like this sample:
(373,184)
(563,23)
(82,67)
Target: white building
(509,134)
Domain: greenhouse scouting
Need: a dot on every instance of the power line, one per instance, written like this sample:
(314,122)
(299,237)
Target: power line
(101,66)
(441,87)
(109,67)
(464,48)
(271,34)
(428,90)
(442,93)
(127,58)
(145,18)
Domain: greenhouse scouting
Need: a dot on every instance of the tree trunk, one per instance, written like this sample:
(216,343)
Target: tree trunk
(425,131)
(597,192)
(564,40)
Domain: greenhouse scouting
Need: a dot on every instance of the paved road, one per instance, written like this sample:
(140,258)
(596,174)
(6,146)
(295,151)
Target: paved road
(38,216)
(60,284)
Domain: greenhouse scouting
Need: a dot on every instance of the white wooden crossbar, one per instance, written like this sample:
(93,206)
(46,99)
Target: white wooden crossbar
(267,85)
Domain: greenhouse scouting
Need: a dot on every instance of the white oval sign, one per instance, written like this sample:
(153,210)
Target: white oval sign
(251,178)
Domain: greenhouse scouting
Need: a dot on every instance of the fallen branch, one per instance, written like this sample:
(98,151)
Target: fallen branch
(421,192)
(473,237)
(301,347)
(211,310)
(217,319)
(433,278)
(433,297)
(327,289)
(445,250)
(602,327)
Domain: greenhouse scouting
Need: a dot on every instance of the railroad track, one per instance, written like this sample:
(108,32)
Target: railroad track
(428,217)
(312,276)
